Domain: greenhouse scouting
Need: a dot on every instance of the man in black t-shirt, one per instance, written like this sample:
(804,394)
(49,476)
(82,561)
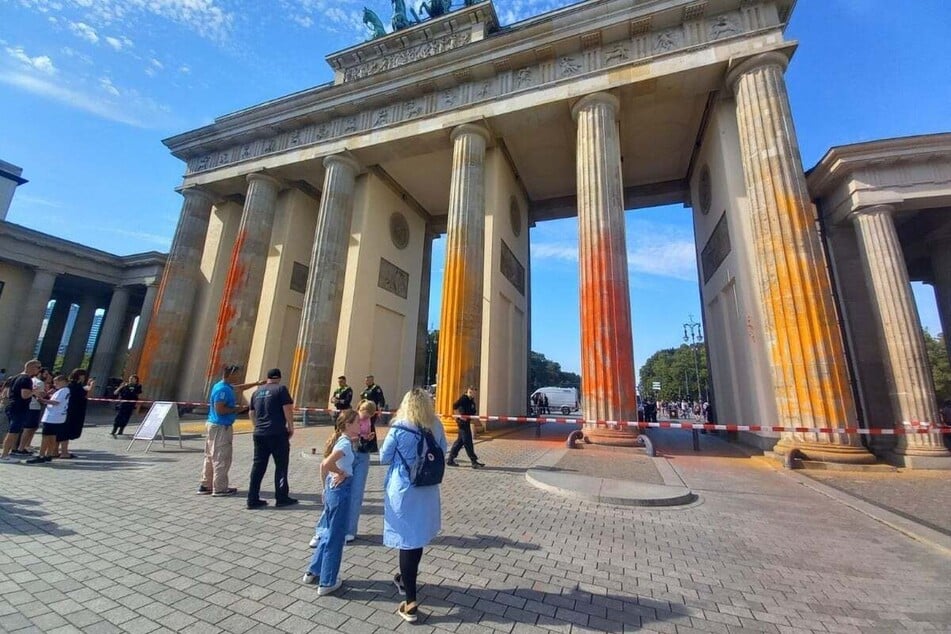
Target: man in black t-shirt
(272,412)
(465,406)
(18,411)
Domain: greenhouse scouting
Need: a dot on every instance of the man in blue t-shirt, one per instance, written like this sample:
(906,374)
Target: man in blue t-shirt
(222,412)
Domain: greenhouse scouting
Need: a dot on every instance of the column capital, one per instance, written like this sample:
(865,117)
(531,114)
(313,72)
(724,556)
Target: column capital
(265,178)
(470,128)
(344,161)
(198,193)
(595,99)
(772,58)
(873,210)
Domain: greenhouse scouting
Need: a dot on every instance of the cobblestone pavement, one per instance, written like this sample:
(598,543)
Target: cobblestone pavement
(118,541)
(923,496)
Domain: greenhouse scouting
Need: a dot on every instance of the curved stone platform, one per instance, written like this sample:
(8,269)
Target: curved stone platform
(608,491)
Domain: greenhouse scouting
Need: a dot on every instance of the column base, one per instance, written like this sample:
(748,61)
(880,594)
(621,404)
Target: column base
(822,452)
(914,461)
(626,437)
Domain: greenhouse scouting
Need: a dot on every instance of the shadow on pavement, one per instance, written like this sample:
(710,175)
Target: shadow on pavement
(25,517)
(87,460)
(451,604)
(480,540)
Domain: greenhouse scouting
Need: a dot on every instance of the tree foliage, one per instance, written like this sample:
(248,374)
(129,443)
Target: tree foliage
(940,366)
(542,372)
(676,370)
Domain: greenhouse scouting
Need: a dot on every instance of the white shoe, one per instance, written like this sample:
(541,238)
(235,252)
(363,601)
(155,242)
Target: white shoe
(314,541)
(325,590)
(349,538)
(309,579)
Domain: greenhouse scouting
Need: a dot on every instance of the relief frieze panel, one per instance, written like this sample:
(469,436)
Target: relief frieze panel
(407,56)
(637,47)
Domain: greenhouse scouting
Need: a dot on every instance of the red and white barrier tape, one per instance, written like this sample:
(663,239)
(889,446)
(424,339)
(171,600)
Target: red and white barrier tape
(914,427)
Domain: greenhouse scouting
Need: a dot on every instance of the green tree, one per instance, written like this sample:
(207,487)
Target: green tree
(543,372)
(676,370)
(940,366)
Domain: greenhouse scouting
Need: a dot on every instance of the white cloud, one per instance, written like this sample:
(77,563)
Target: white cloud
(84,31)
(128,107)
(41,63)
(185,69)
(652,248)
(108,86)
(118,43)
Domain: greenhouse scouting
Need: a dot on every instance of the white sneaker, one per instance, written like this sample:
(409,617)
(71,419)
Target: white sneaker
(309,579)
(349,538)
(314,541)
(325,590)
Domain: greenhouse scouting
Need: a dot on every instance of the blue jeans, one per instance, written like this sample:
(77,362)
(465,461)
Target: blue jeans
(361,468)
(331,531)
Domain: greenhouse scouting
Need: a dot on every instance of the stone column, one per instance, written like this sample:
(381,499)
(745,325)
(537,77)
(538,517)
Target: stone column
(109,333)
(145,316)
(608,388)
(320,317)
(31,317)
(422,322)
(910,385)
(941,270)
(242,292)
(79,337)
(171,319)
(55,328)
(802,335)
(121,357)
(460,328)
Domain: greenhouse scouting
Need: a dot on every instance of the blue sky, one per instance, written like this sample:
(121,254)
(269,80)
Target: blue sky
(88,88)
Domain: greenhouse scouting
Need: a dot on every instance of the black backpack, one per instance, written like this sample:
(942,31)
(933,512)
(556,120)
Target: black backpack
(430,462)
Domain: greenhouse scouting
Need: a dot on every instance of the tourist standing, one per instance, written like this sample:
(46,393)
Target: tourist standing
(366,444)
(54,420)
(343,395)
(128,393)
(79,389)
(272,412)
(222,412)
(336,470)
(411,514)
(464,407)
(18,409)
(40,390)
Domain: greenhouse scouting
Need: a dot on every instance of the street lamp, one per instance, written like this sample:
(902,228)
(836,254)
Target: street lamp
(693,335)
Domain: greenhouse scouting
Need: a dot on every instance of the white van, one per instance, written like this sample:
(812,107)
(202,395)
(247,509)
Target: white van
(560,399)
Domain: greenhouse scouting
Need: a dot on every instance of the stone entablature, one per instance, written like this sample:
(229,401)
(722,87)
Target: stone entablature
(913,172)
(33,248)
(564,46)
(413,44)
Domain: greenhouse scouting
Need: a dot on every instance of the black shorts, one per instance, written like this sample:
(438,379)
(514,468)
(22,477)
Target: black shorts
(56,429)
(18,421)
(33,421)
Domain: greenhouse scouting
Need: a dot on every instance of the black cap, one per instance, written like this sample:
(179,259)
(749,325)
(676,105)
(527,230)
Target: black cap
(274,373)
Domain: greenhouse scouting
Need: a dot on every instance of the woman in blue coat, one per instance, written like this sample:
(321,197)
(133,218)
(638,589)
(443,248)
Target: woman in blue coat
(411,514)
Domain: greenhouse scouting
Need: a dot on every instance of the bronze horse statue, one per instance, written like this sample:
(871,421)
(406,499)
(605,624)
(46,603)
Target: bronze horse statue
(400,21)
(374,23)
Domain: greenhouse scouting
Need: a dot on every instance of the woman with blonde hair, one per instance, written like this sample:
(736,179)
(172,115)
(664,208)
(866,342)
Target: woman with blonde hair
(411,514)
(336,471)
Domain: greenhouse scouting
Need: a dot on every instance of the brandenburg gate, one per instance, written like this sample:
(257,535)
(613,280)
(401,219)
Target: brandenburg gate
(306,231)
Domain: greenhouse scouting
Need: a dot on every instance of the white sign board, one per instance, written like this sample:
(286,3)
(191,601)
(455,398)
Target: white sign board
(656,386)
(161,419)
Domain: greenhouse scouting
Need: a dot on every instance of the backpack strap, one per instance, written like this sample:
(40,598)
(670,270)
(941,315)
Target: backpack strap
(398,453)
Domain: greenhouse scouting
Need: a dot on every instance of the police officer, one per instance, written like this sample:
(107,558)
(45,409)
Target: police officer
(464,406)
(343,395)
(374,393)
